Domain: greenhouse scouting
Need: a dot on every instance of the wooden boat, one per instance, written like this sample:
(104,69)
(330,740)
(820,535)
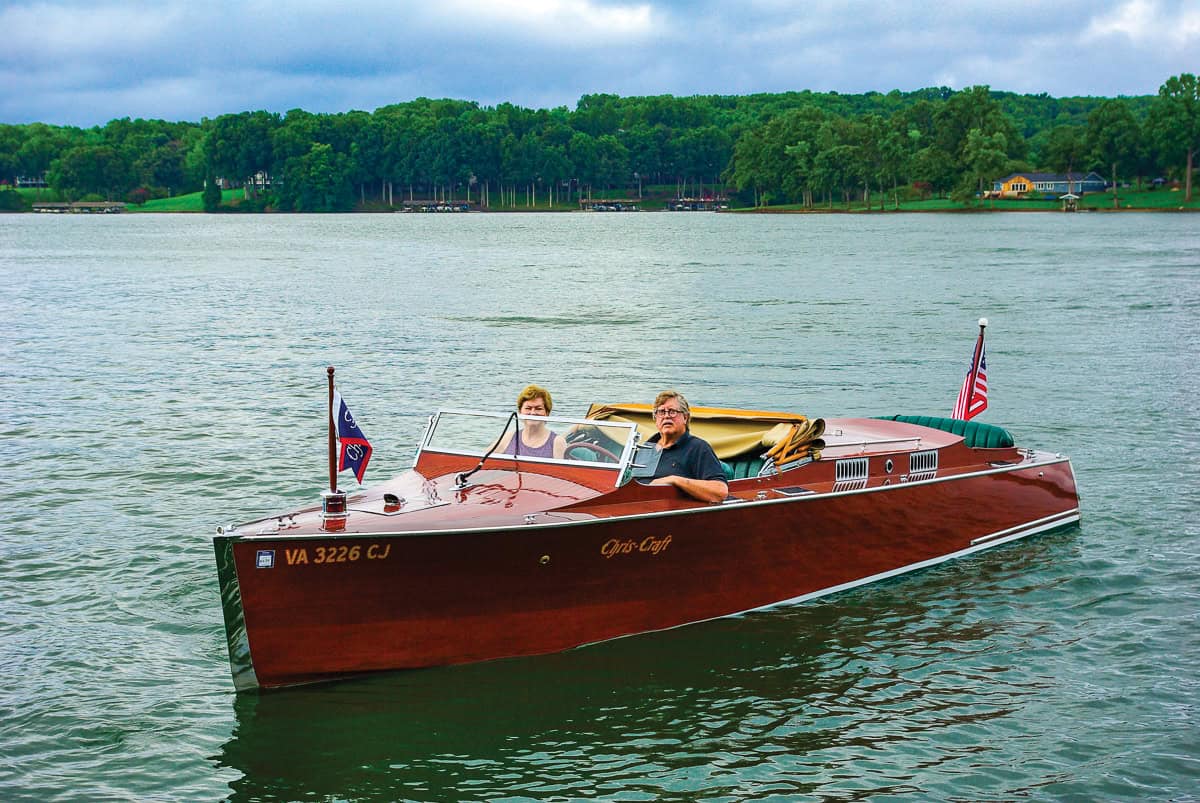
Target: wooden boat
(471,555)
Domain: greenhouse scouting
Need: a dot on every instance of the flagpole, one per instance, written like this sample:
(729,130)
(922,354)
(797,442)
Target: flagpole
(332,437)
(983,322)
(974,363)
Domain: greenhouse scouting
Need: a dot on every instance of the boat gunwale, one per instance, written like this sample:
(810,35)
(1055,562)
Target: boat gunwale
(1038,459)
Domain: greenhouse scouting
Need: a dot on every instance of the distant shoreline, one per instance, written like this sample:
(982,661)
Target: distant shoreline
(748,211)
(1160,200)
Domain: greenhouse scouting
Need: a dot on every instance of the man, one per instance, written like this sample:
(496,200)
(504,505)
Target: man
(687,462)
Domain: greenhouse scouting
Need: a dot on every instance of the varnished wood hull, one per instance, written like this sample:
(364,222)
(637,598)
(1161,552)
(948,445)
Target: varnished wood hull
(320,606)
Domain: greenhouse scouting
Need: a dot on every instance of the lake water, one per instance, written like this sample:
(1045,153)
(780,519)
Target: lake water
(166,374)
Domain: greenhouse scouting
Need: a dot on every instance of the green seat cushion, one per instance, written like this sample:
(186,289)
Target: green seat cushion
(738,468)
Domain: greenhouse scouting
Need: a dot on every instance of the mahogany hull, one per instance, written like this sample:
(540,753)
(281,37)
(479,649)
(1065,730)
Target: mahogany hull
(315,608)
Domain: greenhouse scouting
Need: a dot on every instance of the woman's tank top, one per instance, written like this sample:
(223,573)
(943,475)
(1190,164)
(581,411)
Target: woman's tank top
(545,450)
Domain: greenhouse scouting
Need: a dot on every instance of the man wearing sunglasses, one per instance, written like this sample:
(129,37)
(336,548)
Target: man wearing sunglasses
(687,462)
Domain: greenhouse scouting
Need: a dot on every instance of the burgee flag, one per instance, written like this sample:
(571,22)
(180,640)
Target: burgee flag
(354,451)
(972,397)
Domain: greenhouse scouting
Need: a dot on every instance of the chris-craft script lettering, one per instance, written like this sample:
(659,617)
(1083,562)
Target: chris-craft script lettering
(629,546)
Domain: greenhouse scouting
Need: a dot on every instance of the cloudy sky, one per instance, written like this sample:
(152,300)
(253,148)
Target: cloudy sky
(84,62)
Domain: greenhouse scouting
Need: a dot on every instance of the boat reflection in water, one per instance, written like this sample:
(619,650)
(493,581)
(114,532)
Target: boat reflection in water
(472,556)
(811,678)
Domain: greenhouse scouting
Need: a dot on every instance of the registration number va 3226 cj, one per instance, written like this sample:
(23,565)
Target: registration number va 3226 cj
(339,553)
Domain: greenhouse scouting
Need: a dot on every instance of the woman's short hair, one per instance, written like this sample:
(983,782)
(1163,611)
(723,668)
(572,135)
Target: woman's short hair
(534,392)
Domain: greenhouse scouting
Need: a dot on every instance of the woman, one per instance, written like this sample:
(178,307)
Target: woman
(534,439)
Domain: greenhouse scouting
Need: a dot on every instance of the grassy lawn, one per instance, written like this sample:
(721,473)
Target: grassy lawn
(39,195)
(192,202)
(1161,200)
(1145,199)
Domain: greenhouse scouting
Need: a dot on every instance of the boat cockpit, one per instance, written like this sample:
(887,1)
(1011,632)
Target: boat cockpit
(614,438)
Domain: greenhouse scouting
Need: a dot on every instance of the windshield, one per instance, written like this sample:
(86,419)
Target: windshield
(581,441)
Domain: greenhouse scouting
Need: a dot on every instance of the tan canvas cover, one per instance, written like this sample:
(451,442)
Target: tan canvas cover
(730,432)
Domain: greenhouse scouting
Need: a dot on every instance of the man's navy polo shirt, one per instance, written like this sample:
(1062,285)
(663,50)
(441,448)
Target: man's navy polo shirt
(689,457)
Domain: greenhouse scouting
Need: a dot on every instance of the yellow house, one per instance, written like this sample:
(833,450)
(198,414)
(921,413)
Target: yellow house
(1019,185)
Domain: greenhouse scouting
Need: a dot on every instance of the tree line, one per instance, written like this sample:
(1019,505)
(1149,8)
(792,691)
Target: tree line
(804,148)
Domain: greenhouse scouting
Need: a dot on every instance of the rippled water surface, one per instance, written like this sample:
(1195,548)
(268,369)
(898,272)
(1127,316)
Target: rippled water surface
(165,374)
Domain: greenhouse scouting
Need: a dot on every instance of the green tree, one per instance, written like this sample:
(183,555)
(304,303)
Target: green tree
(597,115)
(239,146)
(745,171)
(91,170)
(808,128)
(797,181)
(986,157)
(521,159)
(1065,149)
(406,148)
(612,166)
(896,151)
(645,152)
(870,133)
(446,157)
(10,147)
(584,153)
(162,166)
(291,139)
(973,109)
(776,159)
(212,195)
(485,156)
(366,149)
(1113,137)
(195,161)
(12,201)
(556,170)
(41,145)
(1174,123)
(837,164)
(933,166)
(702,154)
(318,181)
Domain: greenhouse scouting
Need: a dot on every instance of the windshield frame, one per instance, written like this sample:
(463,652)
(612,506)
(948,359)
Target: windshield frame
(503,424)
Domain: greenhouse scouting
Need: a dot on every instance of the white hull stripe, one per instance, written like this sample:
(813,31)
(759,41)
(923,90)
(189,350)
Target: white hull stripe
(1038,525)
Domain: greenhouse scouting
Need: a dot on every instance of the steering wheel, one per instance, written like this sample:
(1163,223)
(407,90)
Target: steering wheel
(579,439)
(600,454)
(581,433)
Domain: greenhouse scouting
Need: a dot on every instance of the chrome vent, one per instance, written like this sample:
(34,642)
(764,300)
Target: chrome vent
(922,465)
(854,468)
(850,474)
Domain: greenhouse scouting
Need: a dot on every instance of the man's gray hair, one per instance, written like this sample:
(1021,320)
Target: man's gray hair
(673,394)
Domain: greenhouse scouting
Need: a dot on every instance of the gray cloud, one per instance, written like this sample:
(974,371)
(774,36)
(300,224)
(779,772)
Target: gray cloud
(83,63)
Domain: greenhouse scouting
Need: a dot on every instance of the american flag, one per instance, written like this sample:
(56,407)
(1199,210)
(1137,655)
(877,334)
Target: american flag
(972,397)
(355,451)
